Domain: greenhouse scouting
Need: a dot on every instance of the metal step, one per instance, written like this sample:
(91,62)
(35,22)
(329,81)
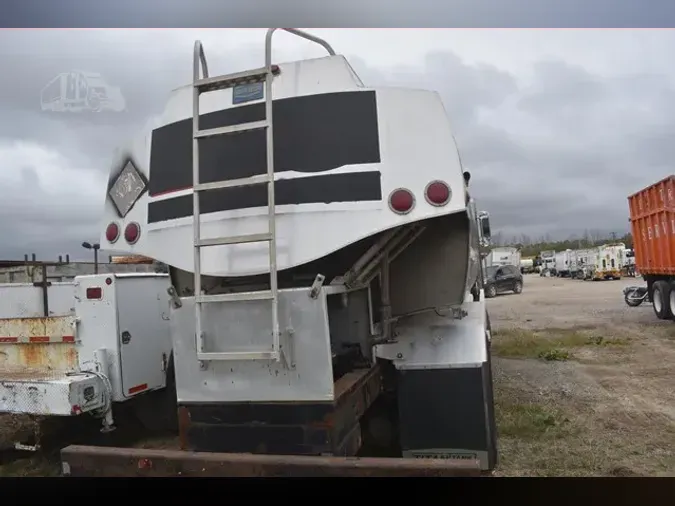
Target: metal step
(233,183)
(232,129)
(230,80)
(235,239)
(239,355)
(234,297)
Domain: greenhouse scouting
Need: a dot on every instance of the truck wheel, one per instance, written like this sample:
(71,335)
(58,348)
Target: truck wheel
(671,301)
(661,300)
(631,302)
(491,291)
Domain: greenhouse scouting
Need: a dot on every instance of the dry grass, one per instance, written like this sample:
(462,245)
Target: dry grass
(549,344)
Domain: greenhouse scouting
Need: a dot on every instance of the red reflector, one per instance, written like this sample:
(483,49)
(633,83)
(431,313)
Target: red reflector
(108,281)
(112,232)
(94,293)
(437,193)
(138,388)
(401,201)
(132,233)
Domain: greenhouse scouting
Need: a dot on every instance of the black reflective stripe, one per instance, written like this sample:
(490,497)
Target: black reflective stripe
(354,187)
(312,134)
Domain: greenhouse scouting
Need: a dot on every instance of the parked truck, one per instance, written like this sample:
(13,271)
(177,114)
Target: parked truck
(326,294)
(609,261)
(503,256)
(547,263)
(565,263)
(652,221)
(83,347)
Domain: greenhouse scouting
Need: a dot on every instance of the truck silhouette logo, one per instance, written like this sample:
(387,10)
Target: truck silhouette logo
(80,91)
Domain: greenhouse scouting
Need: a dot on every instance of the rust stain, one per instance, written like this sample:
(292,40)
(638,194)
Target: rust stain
(183,426)
(38,357)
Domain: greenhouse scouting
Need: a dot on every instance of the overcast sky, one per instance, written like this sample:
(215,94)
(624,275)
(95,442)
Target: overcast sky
(558,127)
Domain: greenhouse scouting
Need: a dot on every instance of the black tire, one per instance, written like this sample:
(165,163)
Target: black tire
(630,302)
(671,300)
(490,291)
(661,300)
(518,287)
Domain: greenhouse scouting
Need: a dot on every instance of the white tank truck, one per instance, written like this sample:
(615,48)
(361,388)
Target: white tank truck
(324,254)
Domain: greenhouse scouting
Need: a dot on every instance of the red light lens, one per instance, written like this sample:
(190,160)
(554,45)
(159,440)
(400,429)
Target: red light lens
(401,201)
(437,193)
(108,281)
(132,233)
(95,293)
(112,233)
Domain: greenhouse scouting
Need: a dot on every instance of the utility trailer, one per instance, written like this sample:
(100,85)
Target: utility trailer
(652,221)
(326,277)
(83,347)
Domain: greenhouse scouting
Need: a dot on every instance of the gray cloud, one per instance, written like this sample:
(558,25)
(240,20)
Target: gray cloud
(555,152)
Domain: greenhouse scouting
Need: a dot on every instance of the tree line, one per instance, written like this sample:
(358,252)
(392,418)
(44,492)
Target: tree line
(532,247)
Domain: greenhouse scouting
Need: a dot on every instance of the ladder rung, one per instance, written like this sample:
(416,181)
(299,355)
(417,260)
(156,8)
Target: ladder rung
(233,183)
(229,80)
(235,239)
(232,129)
(235,297)
(239,355)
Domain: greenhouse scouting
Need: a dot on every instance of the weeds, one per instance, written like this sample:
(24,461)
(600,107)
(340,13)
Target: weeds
(547,344)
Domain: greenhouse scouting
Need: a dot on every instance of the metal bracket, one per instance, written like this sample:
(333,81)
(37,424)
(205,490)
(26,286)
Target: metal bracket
(316,286)
(288,350)
(175,300)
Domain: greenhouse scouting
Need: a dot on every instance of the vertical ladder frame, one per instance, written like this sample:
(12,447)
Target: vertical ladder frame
(204,84)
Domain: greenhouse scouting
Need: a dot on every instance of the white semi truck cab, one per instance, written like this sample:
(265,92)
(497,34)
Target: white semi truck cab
(324,255)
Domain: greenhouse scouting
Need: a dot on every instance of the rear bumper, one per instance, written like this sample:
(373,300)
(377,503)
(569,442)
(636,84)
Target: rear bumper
(123,462)
(50,394)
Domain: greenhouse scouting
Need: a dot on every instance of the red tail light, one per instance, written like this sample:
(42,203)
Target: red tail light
(401,201)
(95,293)
(112,232)
(437,193)
(132,233)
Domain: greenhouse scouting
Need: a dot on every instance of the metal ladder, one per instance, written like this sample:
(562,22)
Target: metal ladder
(203,85)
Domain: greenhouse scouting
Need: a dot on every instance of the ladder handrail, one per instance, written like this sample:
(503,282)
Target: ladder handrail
(199,56)
(294,31)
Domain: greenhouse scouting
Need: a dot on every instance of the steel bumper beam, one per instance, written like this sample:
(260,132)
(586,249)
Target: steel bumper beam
(95,461)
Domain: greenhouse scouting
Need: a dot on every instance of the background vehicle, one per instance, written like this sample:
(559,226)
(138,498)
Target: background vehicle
(527,265)
(504,278)
(652,221)
(320,309)
(609,261)
(547,262)
(84,346)
(565,263)
(503,256)
(629,264)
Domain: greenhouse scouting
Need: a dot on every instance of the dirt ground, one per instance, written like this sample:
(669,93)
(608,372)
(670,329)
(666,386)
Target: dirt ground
(584,384)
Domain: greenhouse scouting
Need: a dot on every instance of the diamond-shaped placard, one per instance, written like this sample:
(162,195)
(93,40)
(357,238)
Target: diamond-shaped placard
(128,187)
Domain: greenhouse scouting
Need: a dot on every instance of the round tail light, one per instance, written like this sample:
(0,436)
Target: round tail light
(112,232)
(401,201)
(132,233)
(437,193)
